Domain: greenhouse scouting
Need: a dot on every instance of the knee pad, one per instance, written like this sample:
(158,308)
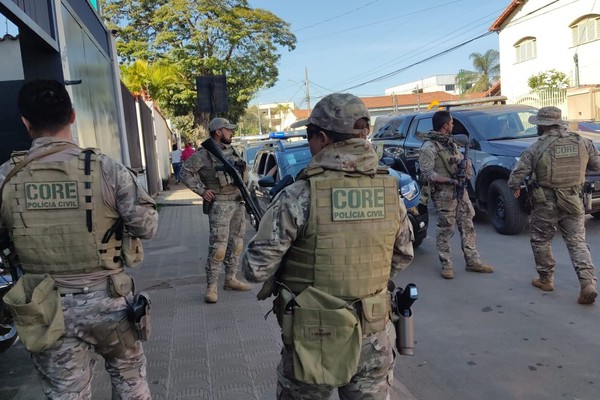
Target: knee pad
(239,246)
(219,254)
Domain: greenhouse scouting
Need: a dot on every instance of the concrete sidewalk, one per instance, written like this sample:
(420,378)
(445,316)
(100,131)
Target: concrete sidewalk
(225,351)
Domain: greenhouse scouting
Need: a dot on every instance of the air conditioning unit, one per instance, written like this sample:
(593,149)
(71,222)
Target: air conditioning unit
(583,103)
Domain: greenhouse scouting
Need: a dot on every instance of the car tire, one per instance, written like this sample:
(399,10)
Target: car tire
(417,242)
(504,211)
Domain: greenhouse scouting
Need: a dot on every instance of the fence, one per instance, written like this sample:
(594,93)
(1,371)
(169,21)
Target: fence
(544,98)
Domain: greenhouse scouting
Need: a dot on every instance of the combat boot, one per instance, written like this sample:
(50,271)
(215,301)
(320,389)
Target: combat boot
(544,282)
(588,293)
(479,267)
(211,294)
(447,273)
(231,283)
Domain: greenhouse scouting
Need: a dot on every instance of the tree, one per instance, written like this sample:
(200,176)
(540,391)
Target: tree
(157,82)
(487,71)
(465,80)
(203,38)
(548,80)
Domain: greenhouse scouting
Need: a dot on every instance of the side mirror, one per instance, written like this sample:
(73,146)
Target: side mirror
(266,181)
(461,139)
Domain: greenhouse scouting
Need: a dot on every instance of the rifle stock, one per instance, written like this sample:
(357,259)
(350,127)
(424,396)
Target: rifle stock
(252,208)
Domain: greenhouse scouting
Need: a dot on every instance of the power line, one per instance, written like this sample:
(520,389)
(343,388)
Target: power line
(396,72)
(336,17)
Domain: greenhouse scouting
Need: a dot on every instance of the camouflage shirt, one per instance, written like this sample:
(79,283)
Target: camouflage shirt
(202,159)
(120,189)
(427,157)
(287,214)
(524,167)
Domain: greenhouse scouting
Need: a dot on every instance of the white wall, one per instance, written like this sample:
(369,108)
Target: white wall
(162,136)
(555,50)
(435,83)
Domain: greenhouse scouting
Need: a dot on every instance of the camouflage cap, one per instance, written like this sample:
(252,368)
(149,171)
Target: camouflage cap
(219,123)
(548,116)
(337,112)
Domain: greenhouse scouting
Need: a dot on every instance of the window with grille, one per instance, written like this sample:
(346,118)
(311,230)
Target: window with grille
(525,49)
(586,29)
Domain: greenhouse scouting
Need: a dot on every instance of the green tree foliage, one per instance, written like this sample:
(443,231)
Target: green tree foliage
(203,38)
(487,71)
(159,81)
(548,80)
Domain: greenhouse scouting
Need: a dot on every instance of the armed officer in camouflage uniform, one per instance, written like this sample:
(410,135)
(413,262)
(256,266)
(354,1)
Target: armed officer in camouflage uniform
(64,209)
(439,160)
(555,166)
(331,240)
(203,173)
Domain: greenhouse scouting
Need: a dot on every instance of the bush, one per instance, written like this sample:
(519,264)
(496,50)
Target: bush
(548,80)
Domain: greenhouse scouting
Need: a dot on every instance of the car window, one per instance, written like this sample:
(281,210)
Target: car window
(250,154)
(259,166)
(293,160)
(504,125)
(423,126)
(270,165)
(383,132)
(395,131)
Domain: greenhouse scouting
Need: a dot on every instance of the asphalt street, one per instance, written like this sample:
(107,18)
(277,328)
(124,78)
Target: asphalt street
(479,336)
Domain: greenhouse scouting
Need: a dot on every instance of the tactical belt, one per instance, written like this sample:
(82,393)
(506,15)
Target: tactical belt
(84,290)
(228,197)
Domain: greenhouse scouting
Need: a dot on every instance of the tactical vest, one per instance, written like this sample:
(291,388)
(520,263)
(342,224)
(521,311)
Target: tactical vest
(347,245)
(57,217)
(563,163)
(217,181)
(446,162)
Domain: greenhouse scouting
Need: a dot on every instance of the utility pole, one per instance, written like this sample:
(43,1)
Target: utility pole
(307,94)
(576,60)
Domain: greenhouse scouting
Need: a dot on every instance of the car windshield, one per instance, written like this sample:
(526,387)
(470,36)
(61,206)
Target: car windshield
(251,154)
(293,159)
(503,125)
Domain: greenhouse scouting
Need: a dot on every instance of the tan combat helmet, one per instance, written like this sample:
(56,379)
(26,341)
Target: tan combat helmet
(338,112)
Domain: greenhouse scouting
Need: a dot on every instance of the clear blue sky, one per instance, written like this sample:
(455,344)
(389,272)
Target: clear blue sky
(346,43)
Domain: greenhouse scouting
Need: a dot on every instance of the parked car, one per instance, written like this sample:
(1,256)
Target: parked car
(498,134)
(278,164)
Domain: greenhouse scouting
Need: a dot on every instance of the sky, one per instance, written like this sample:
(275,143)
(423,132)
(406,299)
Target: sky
(344,44)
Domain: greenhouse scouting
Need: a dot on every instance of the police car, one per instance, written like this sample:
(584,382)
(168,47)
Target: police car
(277,164)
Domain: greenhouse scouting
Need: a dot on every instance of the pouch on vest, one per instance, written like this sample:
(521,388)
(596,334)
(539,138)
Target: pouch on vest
(119,285)
(327,339)
(132,250)
(569,201)
(425,193)
(375,312)
(35,305)
(283,307)
(538,194)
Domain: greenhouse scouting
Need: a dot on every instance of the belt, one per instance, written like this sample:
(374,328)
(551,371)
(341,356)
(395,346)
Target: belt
(84,290)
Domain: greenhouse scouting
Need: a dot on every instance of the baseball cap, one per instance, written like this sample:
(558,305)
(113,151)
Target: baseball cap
(337,112)
(219,123)
(548,116)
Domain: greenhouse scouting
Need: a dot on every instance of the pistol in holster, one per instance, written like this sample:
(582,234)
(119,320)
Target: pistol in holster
(139,314)
(207,206)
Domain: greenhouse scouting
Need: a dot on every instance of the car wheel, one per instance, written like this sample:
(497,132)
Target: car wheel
(8,336)
(417,242)
(504,211)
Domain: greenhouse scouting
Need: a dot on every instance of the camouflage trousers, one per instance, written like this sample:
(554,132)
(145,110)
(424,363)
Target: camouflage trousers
(448,216)
(94,323)
(372,381)
(545,218)
(227,221)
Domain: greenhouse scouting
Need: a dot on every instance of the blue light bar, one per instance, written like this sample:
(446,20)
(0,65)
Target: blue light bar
(277,135)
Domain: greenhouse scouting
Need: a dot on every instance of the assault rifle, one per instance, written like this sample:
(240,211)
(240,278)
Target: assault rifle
(461,176)
(9,258)
(211,146)
(402,300)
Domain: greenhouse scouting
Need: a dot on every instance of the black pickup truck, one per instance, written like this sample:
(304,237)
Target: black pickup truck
(498,134)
